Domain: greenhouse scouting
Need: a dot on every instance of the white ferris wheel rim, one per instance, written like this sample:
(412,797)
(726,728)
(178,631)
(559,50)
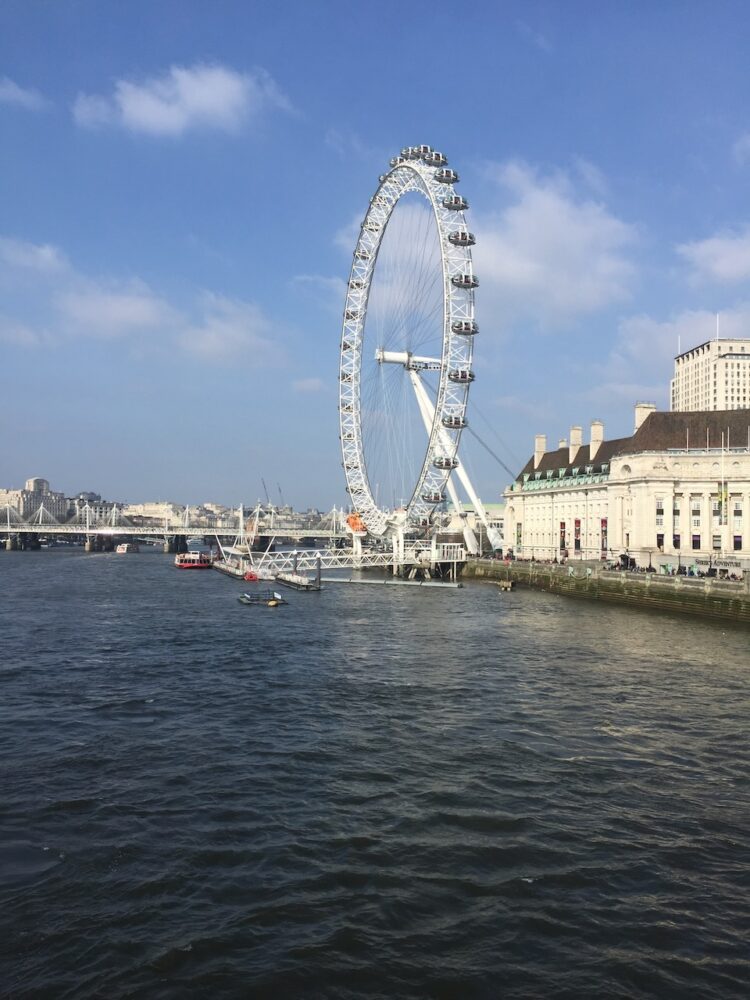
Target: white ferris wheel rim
(417,169)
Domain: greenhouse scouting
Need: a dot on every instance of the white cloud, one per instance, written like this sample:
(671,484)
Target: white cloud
(328,292)
(722,258)
(346,237)
(58,303)
(347,144)
(94,310)
(741,150)
(19,334)
(198,96)
(308,385)
(548,255)
(42,257)
(537,38)
(648,345)
(230,328)
(21,97)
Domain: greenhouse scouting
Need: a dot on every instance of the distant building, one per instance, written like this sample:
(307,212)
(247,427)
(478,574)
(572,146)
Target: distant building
(35,494)
(98,510)
(713,376)
(675,490)
(161,511)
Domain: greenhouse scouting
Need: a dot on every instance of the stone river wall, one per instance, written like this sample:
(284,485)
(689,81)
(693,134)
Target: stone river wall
(722,600)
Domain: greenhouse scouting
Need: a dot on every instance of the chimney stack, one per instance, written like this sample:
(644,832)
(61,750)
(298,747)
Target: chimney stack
(597,436)
(642,410)
(562,443)
(576,440)
(540,446)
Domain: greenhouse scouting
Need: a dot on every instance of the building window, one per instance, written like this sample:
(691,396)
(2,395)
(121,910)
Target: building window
(675,541)
(737,543)
(660,542)
(696,542)
(577,536)
(716,543)
(604,534)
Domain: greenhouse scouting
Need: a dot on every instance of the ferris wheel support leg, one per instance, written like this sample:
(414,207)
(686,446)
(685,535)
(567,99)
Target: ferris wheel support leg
(356,551)
(398,550)
(427,410)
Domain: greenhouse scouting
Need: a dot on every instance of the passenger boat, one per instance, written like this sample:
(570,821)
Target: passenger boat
(193,560)
(125,547)
(268,598)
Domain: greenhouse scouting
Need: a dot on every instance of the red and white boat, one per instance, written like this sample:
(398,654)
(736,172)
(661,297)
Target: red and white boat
(193,560)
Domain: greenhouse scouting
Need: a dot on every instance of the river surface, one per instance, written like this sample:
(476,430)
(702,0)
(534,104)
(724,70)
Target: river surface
(372,792)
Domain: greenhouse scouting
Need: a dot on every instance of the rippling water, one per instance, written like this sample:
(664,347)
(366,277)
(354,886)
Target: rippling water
(375,792)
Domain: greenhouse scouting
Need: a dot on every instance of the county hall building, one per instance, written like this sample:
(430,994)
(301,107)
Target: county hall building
(676,492)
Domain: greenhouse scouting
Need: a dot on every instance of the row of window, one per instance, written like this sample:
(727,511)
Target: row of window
(695,542)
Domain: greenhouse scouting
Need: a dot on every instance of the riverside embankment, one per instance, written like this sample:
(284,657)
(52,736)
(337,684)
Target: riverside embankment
(724,600)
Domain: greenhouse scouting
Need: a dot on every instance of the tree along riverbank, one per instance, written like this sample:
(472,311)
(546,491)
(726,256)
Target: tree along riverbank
(722,600)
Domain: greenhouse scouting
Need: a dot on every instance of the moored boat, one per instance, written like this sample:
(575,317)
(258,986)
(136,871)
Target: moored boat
(125,547)
(193,560)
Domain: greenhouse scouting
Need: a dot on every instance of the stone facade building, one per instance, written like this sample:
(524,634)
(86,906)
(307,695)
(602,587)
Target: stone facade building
(714,375)
(676,491)
(35,494)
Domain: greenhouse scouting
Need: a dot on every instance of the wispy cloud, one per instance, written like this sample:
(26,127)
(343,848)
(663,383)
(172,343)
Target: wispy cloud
(231,329)
(202,96)
(724,258)
(327,292)
(21,97)
(19,334)
(537,38)
(645,344)
(347,143)
(308,385)
(68,305)
(96,310)
(741,149)
(31,256)
(549,254)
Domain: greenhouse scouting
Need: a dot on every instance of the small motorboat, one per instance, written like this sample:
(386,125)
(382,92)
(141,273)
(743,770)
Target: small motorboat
(268,598)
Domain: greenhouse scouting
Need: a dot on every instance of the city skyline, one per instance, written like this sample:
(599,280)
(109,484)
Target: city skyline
(181,190)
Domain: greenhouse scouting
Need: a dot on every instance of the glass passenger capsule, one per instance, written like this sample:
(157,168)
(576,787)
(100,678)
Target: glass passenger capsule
(465,281)
(435,159)
(396,160)
(446,176)
(456,202)
(461,238)
(461,375)
(445,462)
(435,497)
(454,422)
(465,326)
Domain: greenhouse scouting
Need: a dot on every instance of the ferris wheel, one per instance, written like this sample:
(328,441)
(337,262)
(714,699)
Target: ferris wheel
(407,345)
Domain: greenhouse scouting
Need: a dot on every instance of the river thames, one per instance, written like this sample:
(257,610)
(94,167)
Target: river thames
(372,792)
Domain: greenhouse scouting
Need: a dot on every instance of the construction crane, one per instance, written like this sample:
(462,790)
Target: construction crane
(265,490)
(281,495)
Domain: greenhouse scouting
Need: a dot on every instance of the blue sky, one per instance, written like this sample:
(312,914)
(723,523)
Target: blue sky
(179,182)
